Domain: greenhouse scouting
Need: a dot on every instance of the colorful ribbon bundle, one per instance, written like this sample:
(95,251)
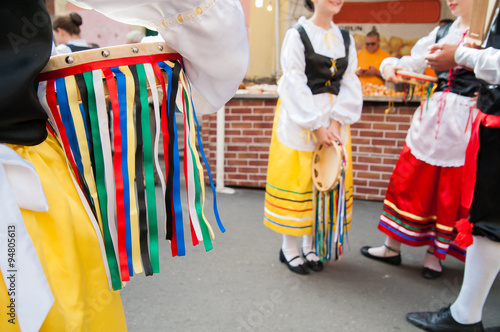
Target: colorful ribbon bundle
(330,216)
(114,154)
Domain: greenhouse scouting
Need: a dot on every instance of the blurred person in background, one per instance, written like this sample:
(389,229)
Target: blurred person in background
(370,58)
(67,34)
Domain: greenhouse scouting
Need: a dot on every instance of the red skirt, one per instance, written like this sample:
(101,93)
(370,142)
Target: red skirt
(422,204)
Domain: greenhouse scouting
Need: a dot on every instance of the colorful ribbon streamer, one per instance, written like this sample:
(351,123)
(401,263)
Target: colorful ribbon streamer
(101,115)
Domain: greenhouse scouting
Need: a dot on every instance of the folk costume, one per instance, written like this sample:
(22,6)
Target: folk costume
(480,190)
(480,187)
(318,85)
(423,198)
(481,194)
(56,267)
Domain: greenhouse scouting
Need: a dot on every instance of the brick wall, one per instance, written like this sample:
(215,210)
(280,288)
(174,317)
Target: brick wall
(377,141)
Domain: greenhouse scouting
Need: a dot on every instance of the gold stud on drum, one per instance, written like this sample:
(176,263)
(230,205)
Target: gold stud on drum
(105,53)
(135,49)
(326,166)
(69,60)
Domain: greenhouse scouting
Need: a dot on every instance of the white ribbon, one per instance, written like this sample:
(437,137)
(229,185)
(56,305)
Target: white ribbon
(30,295)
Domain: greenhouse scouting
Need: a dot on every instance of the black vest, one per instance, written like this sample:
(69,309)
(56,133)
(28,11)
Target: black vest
(75,48)
(489,94)
(320,77)
(464,83)
(25,46)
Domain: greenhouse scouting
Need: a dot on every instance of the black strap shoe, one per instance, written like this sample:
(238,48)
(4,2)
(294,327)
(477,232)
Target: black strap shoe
(393,260)
(300,269)
(316,266)
(429,273)
(441,321)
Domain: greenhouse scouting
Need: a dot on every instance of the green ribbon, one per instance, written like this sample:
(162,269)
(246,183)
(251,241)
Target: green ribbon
(149,169)
(101,183)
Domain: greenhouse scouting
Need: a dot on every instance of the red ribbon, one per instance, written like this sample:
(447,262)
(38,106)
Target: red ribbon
(117,164)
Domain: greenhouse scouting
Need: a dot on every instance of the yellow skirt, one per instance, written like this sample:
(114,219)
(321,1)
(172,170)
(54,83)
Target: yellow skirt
(289,188)
(69,252)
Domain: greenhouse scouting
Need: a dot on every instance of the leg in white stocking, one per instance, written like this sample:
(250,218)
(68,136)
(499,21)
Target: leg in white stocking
(308,249)
(390,248)
(289,248)
(481,268)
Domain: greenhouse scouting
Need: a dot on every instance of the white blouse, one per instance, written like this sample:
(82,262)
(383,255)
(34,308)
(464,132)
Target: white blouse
(209,34)
(416,61)
(440,130)
(64,49)
(486,63)
(301,111)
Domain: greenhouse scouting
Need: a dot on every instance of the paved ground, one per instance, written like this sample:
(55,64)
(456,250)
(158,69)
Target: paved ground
(242,286)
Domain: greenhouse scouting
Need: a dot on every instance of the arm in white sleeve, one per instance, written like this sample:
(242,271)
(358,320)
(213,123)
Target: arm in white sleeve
(295,95)
(486,63)
(209,34)
(416,61)
(349,103)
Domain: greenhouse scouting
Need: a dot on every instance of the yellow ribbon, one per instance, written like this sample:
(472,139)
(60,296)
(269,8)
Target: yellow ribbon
(308,135)
(74,106)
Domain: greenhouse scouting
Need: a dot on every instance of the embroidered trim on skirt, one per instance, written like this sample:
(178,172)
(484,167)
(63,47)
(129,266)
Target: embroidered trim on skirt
(422,204)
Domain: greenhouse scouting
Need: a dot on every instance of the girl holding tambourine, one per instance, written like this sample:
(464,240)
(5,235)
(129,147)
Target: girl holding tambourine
(422,202)
(320,96)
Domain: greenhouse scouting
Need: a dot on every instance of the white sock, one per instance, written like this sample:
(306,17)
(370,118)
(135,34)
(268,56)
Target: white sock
(290,250)
(481,268)
(431,261)
(307,247)
(383,251)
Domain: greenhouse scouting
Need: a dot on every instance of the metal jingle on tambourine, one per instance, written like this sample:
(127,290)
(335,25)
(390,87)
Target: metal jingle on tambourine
(326,166)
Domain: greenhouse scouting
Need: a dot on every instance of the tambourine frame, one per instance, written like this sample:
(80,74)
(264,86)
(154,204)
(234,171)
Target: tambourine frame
(415,79)
(64,61)
(327,166)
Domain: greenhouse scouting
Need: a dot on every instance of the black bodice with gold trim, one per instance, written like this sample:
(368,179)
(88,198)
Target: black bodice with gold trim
(323,73)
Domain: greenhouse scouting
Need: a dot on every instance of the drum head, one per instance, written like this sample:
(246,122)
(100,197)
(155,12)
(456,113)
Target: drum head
(326,166)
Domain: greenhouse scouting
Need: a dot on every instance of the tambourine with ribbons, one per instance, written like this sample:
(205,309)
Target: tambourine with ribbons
(329,164)
(98,108)
(426,83)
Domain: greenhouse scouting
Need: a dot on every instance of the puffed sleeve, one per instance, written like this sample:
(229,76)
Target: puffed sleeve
(349,103)
(486,63)
(416,61)
(209,34)
(295,95)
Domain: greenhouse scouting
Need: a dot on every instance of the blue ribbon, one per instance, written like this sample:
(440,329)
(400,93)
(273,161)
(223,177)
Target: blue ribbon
(176,185)
(67,119)
(216,211)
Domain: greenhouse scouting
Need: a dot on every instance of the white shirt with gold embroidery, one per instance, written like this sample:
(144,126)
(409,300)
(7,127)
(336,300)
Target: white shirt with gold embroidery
(301,111)
(209,34)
